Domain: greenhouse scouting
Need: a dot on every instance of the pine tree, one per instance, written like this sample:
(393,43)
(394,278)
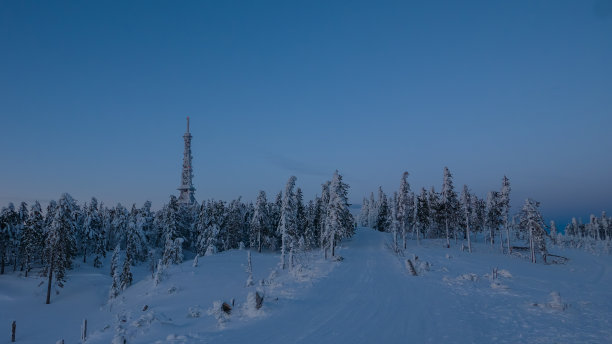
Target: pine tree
(126,277)
(173,246)
(478,218)
(436,213)
(504,199)
(422,213)
(364,213)
(302,222)
(449,204)
(382,220)
(288,220)
(119,224)
(260,222)
(115,260)
(405,207)
(466,205)
(553,231)
(372,211)
(338,219)
(92,229)
(9,220)
(60,246)
(531,221)
(394,221)
(493,214)
(33,236)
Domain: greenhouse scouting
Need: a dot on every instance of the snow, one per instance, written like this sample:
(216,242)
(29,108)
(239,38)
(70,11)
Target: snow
(368,296)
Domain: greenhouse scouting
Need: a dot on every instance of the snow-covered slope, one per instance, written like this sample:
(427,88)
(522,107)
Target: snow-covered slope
(368,297)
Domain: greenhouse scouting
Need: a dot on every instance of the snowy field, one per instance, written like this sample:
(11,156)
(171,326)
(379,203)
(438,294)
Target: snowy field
(368,297)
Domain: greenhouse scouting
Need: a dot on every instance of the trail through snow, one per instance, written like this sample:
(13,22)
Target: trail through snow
(368,297)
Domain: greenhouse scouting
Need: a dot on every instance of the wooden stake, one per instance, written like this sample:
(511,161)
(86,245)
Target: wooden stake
(13,330)
(84,330)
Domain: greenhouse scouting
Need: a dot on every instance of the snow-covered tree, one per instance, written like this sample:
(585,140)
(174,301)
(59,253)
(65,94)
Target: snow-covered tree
(436,213)
(60,246)
(449,204)
(260,225)
(125,279)
(382,220)
(493,214)
(91,240)
(394,221)
(364,213)
(531,222)
(33,236)
(504,200)
(339,222)
(466,206)
(173,242)
(288,220)
(372,211)
(405,207)
(423,217)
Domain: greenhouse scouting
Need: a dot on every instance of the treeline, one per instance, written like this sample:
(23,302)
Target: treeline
(451,215)
(52,239)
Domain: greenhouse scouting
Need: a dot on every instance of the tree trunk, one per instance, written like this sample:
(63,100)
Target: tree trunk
(333,245)
(13,330)
(259,241)
(84,255)
(467,231)
(508,237)
(404,235)
(50,280)
(447,234)
(2,265)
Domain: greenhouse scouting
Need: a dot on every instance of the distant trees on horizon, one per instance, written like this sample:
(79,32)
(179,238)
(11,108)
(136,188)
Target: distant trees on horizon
(51,240)
(448,215)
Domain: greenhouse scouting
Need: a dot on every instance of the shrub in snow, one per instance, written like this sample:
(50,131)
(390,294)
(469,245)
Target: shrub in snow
(195,261)
(556,302)
(254,302)
(159,273)
(217,311)
(210,250)
(194,312)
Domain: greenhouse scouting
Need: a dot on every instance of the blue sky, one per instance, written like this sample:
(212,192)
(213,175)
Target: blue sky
(94,95)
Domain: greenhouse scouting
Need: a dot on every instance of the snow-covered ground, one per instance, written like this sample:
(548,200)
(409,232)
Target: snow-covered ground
(368,297)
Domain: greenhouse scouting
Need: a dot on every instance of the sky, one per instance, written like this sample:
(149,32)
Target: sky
(94,95)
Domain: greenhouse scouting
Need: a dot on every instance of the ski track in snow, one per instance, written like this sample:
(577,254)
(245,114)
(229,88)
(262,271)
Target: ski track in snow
(366,298)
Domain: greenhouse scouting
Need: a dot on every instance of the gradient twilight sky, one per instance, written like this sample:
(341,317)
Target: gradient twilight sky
(94,95)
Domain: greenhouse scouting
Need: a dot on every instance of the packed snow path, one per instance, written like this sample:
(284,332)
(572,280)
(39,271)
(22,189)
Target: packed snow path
(371,298)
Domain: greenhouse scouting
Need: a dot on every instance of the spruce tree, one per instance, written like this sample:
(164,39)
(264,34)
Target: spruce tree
(338,219)
(364,213)
(259,222)
(33,236)
(288,220)
(449,204)
(60,246)
(405,207)
(382,220)
(504,199)
(532,223)
(466,206)
(423,217)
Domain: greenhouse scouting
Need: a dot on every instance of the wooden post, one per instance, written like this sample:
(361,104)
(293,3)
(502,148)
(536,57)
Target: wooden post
(84,330)
(13,330)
